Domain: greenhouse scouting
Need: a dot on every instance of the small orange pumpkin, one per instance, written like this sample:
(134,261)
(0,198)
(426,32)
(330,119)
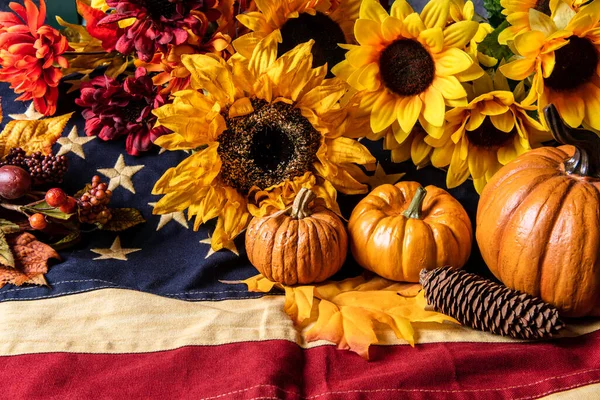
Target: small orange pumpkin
(538,221)
(396,231)
(299,245)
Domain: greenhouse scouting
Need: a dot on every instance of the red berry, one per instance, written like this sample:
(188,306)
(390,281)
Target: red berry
(69,205)
(38,221)
(15,182)
(56,197)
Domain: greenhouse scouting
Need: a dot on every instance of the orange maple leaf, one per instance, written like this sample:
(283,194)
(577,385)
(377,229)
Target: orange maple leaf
(31,261)
(347,312)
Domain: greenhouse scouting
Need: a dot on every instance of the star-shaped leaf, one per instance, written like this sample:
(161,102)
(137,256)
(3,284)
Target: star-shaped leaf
(32,136)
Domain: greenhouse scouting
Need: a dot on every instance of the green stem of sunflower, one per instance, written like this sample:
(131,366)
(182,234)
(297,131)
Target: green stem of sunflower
(415,209)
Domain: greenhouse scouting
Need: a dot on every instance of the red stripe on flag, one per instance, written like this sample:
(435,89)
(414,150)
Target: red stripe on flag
(280,369)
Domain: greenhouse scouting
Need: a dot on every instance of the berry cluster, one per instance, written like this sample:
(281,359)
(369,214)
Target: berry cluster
(56,198)
(93,203)
(42,168)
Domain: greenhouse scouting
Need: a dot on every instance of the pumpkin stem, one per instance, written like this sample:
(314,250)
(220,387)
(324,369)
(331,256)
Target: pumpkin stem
(300,207)
(586,160)
(415,209)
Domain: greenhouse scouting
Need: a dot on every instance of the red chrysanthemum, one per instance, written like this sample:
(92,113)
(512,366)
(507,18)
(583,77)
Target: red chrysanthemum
(115,109)
(30,55)
(159,23)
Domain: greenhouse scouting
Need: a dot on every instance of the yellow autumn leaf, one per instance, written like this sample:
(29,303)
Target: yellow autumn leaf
(347,312)
(32,136)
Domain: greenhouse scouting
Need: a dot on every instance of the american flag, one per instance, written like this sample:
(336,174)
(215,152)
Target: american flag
(145,314)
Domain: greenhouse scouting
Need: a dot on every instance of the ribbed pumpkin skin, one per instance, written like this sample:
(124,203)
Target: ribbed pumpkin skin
(539,231)
(297,251)
(396,247)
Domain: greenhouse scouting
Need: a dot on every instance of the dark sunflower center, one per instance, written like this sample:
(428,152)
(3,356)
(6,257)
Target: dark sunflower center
(323,30)
(160,8)
(575,64)
(266,147)
(133,110)
(543,6)
(487,136)
(406,67)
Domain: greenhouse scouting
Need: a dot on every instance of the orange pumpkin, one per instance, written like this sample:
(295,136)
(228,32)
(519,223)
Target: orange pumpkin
(538,221)
(299,245)
(396,231)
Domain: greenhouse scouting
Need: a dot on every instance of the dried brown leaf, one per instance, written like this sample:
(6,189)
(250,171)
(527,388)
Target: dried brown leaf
(32,136)
(31,261)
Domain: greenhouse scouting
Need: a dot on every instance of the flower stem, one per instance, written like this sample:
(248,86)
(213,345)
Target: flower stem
(13,207)
(415,209)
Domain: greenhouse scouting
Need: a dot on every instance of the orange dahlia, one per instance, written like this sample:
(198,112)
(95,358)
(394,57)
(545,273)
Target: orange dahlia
(30,55)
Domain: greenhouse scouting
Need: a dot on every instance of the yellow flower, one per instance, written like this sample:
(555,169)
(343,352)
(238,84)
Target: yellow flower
(261,129)
(517,14)
(562,55)
(327,22)
(461,10)
(486,134)
(409,65)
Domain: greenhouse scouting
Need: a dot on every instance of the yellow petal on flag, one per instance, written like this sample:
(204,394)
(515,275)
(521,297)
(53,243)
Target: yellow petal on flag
(435,13)
(32,136)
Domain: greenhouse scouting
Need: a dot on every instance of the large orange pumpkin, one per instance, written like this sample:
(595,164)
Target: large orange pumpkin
(300,245)
(538,221)
(397,230)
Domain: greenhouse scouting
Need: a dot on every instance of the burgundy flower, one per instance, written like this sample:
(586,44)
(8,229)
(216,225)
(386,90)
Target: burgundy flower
(114,109)
(159,23)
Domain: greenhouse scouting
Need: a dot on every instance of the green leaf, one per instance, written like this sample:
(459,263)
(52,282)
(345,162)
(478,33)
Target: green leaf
(494,9)
(82,191)
(44,208)
(6,255)
(68,241)
(8,227)
(123,218)
(490,46)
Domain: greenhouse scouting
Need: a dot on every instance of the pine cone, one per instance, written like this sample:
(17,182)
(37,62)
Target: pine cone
(484,305)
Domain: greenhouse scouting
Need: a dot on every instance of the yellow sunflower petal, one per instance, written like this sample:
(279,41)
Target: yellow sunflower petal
(368,77)
(372,9)
(460,33)
(240,107)
(412,26)
(402,152)
(420,151)
(360,56)
(518,69)
(434,131)
(270,9)
(210,74)
(401,9)
(246,44)
(172,202)
(591,97)
(391,28)
(449,87)
(570,108)
(475,120)
(435,13)
(585,19)
(433,39)
(441,156)
(368,32)
(529,44)
(477,160)
(451,62)
(384,112)
(434,107)
(408,112)
(399,134)
(343,69)
(233,219)
(504,122)
(458,172)
(506,154)
(264,54)
(323,97)
(493,107)
(538,21)
(347,151)
(254,21)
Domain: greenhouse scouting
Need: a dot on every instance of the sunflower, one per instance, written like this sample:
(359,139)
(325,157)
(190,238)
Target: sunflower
(327,22)
(517,14)
(486,134)
(562,53)
(261,129)
(409,65)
